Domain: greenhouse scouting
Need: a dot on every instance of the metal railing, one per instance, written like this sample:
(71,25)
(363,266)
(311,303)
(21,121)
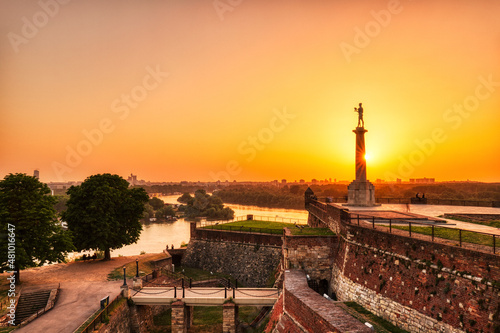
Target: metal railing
(254,218)
(243,229)
(99,318)
(180,277)
(433,234)
(228,288)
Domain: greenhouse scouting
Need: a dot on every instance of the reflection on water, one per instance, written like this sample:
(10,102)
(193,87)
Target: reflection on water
(156,236)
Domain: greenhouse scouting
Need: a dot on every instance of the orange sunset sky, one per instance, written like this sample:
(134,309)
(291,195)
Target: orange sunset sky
(249,90)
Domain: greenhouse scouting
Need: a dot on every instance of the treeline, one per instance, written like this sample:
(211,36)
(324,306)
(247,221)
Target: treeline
(443,191)
(262,196)
(173,189)
(292,196)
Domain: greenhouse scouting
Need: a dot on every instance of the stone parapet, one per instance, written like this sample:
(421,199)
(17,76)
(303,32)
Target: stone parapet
(313,313)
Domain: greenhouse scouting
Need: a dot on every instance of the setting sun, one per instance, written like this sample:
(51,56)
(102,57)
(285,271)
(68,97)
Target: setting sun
(182,91)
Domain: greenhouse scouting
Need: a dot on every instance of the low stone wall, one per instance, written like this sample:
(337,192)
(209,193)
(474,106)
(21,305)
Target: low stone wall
(251,264)
(119,321)
(165,263)
(126,319)
(304,310)
(237,237)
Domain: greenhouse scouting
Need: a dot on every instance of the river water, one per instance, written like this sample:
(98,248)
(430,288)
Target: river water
(156,236)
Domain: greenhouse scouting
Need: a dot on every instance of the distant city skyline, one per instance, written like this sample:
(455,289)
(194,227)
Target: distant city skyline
(251,91)
(135,180)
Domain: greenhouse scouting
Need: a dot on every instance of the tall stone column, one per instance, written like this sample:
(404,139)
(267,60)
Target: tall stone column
(360,192)
(360,154)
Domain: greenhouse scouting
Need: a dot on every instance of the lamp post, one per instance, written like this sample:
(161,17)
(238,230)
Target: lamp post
(124,277)
(137,267)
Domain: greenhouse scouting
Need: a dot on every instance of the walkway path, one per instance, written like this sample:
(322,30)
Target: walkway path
(438,210)
(83,285)
(206,296)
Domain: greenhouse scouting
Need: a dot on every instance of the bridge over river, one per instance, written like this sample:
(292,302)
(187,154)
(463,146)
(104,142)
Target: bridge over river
(199,296)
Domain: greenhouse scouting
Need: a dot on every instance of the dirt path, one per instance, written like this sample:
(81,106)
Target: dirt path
(96,270)
(83,285)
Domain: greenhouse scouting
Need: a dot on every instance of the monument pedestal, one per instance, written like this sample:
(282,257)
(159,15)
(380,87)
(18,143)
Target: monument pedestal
(361,194)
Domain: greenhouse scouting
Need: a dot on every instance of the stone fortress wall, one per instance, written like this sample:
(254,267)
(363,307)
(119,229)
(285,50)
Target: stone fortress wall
(418,285)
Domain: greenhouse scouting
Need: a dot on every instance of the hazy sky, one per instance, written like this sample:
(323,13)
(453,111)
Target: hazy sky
(249,90)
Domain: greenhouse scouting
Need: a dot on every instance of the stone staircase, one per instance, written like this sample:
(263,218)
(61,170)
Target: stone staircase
(30,303)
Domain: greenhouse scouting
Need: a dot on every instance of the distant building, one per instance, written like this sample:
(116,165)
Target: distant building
(398,181)
(36,174)
(132,179)
(302,181)
(283,182)
(425,180)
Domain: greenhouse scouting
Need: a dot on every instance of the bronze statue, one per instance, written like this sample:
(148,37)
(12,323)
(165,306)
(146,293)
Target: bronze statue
(361,122)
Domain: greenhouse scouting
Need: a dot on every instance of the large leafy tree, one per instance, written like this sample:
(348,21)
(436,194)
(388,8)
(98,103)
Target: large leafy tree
(28,218)
(103,213)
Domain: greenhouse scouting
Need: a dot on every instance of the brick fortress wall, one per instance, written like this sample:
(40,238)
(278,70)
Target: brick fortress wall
(301,309)
(418,285)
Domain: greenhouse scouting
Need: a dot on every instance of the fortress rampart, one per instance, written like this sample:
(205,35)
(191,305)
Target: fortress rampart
(418,285)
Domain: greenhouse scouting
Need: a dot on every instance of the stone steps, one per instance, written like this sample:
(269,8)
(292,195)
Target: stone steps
(30,303)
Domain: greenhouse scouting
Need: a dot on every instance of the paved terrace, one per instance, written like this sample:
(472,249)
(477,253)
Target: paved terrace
(206,296)
(421,213)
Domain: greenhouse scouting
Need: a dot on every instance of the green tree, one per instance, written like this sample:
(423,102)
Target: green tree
(103,213)
(185,198)
(28,218)
(204,204)
(156,203)
(149,212)
(60,205)
(165,211)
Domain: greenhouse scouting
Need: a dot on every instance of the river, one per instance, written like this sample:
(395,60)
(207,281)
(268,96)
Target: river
(156,236)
